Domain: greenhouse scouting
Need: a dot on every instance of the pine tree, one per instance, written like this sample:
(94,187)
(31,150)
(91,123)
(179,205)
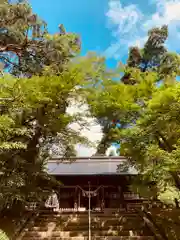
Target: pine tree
(26,47)
(153,57)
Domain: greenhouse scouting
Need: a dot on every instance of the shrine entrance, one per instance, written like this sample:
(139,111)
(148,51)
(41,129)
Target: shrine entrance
(85,203)
(94,200)
(75,197)
(95,195)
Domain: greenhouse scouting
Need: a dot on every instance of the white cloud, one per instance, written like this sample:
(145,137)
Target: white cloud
(169,13)
(125,18)
(110,150)
(93,131)
(112,50)
(123,21)
(129,26)
(83,151)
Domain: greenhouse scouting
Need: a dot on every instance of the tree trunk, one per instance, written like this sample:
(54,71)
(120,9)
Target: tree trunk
(176,179)
(32,150)
(167,147)
(103,146)
(176,202)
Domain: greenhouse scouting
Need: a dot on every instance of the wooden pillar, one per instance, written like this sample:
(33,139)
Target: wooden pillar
(102,200)
(124,202)
(75,199)
(119,192)
(79,198)
(59,197)
(103,193)
(97,200)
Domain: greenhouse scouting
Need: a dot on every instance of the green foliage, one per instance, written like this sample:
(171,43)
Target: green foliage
(153,57)
(117,101)
(26,47)
(51,76)
(33,106)
(3,235)
(169,195)
(34,115)
(149,115)
(153,142)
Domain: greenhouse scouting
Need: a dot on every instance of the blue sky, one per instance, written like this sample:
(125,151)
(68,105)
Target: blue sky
(85,17)
(109,27)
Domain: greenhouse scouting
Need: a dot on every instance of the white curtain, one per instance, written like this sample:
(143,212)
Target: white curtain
(92,193)
(52,201)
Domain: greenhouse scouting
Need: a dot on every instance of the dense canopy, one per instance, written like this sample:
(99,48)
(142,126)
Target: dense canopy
(42,73)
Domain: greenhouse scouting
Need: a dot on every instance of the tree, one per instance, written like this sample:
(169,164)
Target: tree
(33,113)
(26,47)
(152,143)
(153,57)
(44,77)
(117,101)
(153,60)
(148,116)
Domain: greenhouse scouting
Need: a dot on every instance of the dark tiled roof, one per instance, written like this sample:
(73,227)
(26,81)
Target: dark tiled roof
(96,165)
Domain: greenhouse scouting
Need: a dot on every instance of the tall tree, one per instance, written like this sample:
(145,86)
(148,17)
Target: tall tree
(152,144)
(154,58)
(26,47)
(148,128)
(33,114)
(44,77)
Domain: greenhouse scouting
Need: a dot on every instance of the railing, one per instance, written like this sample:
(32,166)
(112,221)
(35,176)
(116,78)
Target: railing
(31,215)
(149,225)
(170,226)
(128,195)
(17,220)
(31,206)
(155,228)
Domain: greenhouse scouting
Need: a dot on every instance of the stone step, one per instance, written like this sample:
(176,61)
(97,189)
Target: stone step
(86,214)
(83,218)
(103,227)
(106,212)
(75,226)
(96,238)
(74,222)
(72,211)
(85,233)
(104,223)
(98,225)
(77,219)
(128,224)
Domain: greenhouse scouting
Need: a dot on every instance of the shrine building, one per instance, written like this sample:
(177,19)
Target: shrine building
(102,178)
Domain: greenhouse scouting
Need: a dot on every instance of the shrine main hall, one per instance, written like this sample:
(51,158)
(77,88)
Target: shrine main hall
(104,179)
